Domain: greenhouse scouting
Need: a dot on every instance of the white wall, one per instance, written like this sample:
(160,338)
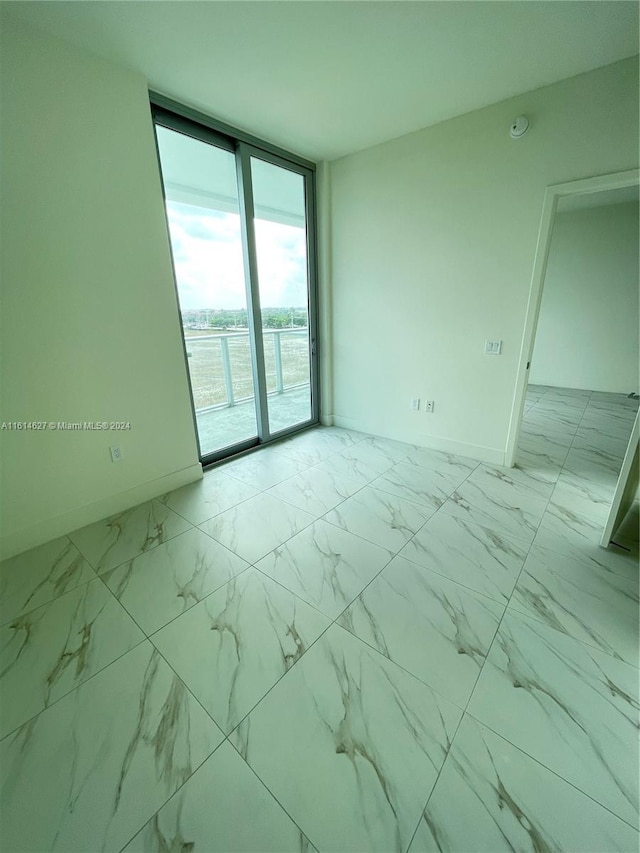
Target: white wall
(587,334)
(89,316)
(434,237)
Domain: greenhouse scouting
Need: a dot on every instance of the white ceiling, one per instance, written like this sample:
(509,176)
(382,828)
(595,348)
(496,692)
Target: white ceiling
(324,79)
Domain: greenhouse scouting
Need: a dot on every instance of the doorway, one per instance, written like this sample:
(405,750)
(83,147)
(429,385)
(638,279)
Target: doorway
(241,227)
(574,190)
(576,425)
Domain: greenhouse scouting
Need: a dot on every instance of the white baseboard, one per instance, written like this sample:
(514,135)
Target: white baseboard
(493,455)
(60,525)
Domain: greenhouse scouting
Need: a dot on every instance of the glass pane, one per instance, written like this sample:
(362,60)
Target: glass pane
(281,249)
(204,225)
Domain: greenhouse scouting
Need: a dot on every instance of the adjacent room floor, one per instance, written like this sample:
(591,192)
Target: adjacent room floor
(339,643)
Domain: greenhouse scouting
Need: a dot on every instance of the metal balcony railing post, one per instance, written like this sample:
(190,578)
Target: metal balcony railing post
(278,354)
(226,364)
(226,368)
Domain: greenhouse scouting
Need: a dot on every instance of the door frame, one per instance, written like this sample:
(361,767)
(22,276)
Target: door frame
(244,153)
(553,193)
(173,116)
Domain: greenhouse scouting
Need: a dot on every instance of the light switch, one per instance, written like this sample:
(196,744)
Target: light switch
(493,347)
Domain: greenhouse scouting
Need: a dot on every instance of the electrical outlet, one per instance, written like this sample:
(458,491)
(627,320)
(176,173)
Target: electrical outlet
(429,405)
(116,453)
(415,403)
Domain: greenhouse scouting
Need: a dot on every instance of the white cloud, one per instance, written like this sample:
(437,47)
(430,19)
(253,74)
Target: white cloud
(207,253)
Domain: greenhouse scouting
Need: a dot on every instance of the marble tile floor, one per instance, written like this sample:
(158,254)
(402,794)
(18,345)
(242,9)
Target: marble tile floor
(338,643)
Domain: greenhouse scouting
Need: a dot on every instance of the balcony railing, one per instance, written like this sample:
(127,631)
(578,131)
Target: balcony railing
(221,372)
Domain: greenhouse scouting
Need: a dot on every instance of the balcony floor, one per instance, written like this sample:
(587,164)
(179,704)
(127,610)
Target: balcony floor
(224,427)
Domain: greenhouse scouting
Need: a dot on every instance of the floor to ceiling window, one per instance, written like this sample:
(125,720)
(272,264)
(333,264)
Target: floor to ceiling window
(241,227)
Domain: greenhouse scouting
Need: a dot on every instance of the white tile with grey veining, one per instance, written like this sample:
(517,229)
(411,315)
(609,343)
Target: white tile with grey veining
(558,393)
(477,557)
(621,409)
(575,520)
(595,441)
(325,566)
(313,446)
(256,526)
(543,431)
(263,469)
(593,605)
(491,797)
(542,456)
(618,412)
(444,463)
(571,404)
(520,487)
(361,463)
(420,485)
(539,464)
(120,537)
(612,559)
(350,745)
(563,422)
(516,518)
(568,705)
(604,435)
(606,398)
(552,445)
(232,647)
(563,414)
(347,436)
(570,487)
(610,420)
(436,629)
(214,493)
(382,518)
(536,388)
(547,448)
(222,808)
(599,468)
(161,584)
(303,452)
(315,491)
(396,450)
(100,762)
(49,651)
(40,575)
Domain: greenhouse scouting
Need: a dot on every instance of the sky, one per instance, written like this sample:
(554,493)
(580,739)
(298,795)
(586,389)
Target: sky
(207,253)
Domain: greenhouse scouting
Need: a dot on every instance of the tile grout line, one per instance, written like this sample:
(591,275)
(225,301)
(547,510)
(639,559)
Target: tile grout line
(550,770)
(486,657)
(333,622)
(145,636)
(464,710)
(50,601)
(263,697)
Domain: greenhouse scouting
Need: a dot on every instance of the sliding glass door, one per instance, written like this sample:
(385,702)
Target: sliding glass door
(203,213)
(241,228)
(281,252)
